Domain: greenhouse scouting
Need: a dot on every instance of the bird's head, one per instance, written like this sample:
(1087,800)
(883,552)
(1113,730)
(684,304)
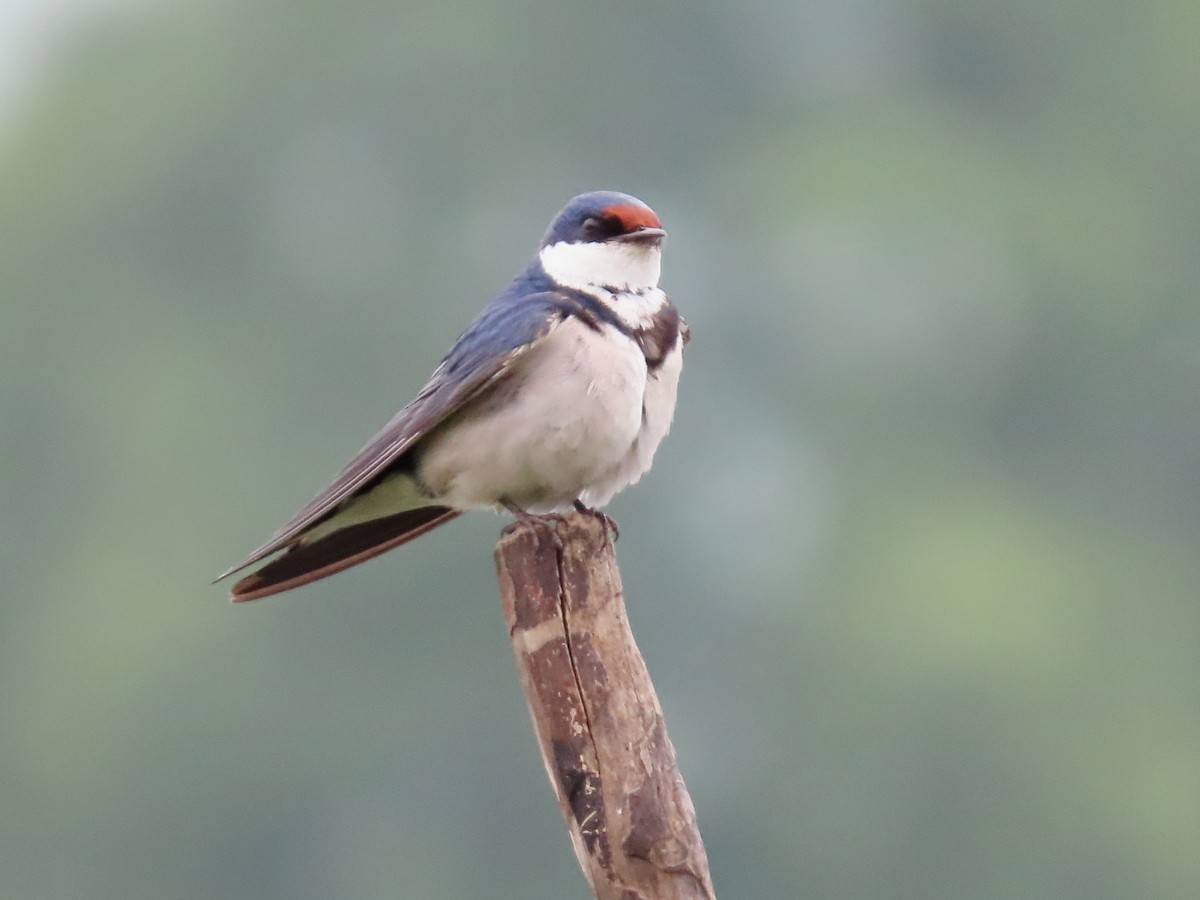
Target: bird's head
(604,239)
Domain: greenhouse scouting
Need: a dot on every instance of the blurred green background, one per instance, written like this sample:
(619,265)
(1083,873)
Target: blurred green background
(915,573)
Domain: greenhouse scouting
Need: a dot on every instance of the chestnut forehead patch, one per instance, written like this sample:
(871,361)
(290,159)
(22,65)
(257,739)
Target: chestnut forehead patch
(632,217)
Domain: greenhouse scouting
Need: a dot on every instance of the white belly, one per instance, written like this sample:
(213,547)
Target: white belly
(566,424)
(658,409)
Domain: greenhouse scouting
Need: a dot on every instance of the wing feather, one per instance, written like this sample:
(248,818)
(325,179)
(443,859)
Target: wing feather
(510,327)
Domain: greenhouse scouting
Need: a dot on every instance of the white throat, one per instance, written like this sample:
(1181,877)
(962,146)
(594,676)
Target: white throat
(612,265)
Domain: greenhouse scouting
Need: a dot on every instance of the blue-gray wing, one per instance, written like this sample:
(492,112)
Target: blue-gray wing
(508,328)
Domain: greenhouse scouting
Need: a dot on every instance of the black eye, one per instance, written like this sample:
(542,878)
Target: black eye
(597,228)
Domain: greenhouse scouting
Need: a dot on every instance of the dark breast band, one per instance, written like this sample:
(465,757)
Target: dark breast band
(656,339)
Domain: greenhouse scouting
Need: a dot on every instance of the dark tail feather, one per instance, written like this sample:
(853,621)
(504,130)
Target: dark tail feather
(341,550)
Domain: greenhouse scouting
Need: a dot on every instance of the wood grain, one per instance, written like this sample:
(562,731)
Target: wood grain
(595,713)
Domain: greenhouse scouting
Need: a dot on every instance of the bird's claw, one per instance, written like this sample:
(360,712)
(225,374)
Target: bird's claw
(610,524)
(548,522)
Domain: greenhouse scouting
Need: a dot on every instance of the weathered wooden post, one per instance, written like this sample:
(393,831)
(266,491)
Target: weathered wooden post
(595,713)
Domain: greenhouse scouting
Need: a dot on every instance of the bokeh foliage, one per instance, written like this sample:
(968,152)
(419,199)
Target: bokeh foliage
(916,572)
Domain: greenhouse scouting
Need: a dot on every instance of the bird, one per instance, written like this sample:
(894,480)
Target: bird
(554,398)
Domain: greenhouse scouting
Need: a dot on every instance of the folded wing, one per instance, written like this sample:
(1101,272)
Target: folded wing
(510,327)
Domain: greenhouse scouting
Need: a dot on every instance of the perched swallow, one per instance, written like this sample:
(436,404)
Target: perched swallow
(556,397)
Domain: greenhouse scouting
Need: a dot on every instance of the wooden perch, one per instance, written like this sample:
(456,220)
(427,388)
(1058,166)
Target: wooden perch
(596,716)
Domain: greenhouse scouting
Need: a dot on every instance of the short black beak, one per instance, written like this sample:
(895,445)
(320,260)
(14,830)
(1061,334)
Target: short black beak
(642,236)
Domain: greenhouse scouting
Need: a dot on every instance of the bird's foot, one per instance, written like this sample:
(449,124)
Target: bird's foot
(548,522)
(610,523)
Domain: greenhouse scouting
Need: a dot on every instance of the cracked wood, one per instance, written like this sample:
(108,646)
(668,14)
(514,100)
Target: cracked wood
(596,716)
